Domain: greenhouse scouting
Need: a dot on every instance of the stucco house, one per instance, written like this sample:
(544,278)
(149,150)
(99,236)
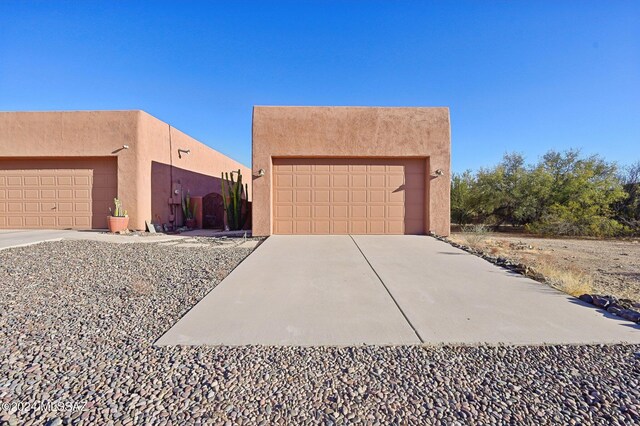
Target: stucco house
(316,170)
(63,169)
(351,170)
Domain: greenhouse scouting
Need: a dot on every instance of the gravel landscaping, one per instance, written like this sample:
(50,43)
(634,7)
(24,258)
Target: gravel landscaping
(78,320)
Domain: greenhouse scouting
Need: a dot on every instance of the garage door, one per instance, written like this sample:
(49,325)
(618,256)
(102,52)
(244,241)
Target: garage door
(348,196)
(65,193)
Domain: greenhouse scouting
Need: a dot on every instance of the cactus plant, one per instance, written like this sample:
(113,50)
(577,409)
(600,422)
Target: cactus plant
(188,209)
(118,219)
(118,211)
(234,198)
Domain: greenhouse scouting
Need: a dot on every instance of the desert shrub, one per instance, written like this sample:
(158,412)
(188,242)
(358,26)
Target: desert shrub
(474,235)
(564,193)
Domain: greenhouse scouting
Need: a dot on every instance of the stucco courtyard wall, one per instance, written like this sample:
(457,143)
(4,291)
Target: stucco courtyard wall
(358,132)
(77,134)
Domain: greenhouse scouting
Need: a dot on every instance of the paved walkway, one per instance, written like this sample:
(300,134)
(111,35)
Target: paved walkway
(342,290)
(19,238)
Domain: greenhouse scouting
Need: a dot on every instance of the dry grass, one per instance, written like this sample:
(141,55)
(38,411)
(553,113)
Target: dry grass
(569,280)
(573,282)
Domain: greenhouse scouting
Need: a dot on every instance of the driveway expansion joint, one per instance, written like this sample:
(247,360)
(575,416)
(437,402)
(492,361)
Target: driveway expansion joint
(388,291)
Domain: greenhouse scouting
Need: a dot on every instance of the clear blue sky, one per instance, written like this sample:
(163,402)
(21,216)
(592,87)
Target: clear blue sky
(517,76)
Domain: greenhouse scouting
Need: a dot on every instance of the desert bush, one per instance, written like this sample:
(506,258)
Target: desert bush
(564,193)
(474,235)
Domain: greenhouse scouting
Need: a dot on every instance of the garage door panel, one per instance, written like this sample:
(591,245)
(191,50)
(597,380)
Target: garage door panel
(30,180)
(359,180)
(14,181)
(15,222)
(283,227)
(396,196)
(375,227)
(284,196)
(303,211)
(340,181)
(285,212)
(302,227)
(340,196)
(320,196)
(47,180)
(321,212)
(47,193)
(376,196)
(303,196)
(340,227)
(395,227)
(395,180)
(31,207)
(303,181)
(322,227)
(321,181)
(358,227)
(284,181)
(15,207)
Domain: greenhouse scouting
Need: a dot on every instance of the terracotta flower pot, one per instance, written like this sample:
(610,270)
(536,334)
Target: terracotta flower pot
(117,224)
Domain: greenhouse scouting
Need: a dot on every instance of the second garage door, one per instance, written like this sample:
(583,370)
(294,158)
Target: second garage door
(348,196)
(56,193)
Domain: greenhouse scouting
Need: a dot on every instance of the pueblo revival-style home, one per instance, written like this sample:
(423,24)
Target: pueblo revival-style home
(316,170)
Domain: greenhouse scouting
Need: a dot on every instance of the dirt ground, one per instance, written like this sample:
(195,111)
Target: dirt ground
(611,266)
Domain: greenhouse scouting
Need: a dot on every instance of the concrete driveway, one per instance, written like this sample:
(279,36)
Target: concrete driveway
(343,290)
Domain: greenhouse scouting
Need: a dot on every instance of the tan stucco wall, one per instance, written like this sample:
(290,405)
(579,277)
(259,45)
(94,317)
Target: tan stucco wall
(197,172)
(102,134)
(352,132)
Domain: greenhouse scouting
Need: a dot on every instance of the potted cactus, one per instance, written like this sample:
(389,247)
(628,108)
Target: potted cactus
(188,211)
(118,220)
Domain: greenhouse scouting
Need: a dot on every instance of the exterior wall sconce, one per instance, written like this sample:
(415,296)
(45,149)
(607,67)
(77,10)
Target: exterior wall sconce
(125,146)
(183,151)
(261,172)
(438,172)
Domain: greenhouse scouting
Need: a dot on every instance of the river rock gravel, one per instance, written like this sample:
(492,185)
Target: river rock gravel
(78,320)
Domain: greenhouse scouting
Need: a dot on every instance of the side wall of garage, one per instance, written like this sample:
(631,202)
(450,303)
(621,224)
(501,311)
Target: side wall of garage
(352,132)
(162,169)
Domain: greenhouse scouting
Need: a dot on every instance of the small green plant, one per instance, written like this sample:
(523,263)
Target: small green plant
(117,211)
(188,208)
(234,198)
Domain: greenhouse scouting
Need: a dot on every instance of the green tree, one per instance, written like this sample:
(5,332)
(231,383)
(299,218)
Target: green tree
(463,201)
(499,190)
(580,197)
(564,193)
(627,211)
